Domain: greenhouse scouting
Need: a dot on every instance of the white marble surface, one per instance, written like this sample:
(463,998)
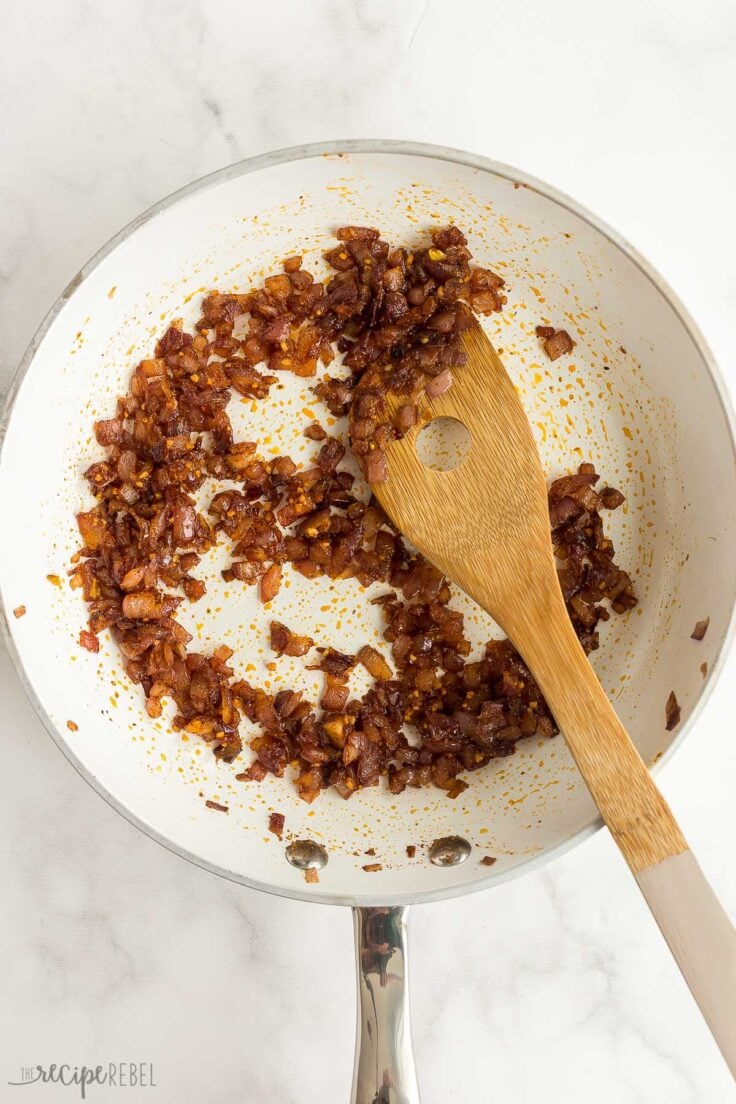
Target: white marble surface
(554,988)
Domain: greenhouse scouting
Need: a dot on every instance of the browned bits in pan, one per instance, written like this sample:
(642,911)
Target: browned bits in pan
(315,432)
(411,851)
(372,868)
(488,860)
(701,628)
(672,712)
(276,822)
(285,642)
(588,573)
(397,316)
(217,806)
(374,663)
(555,342)
(270,583)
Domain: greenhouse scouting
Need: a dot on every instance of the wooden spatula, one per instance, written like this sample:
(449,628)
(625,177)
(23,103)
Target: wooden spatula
(485,524)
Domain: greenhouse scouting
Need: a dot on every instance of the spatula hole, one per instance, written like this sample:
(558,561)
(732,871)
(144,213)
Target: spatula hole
(443,444)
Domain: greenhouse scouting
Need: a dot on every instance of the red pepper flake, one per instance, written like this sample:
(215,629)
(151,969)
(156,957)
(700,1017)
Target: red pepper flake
(19,611)
(276,823)
(72,726)
(488,860)
(311,875)
(672,712)
(372,867)
(411,851)
(701,628)
(256,772)
(89,641)
(217,807)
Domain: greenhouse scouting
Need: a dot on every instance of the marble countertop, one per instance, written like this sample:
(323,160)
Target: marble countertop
(553,988)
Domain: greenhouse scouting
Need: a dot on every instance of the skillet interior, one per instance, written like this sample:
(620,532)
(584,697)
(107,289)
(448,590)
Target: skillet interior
(635,398)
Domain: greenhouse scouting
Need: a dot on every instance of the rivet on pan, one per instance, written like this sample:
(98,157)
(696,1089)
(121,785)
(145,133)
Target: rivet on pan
(306,855)
(449,851)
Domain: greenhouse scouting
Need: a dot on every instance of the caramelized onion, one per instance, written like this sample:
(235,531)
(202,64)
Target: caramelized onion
(396,315)
(440,384)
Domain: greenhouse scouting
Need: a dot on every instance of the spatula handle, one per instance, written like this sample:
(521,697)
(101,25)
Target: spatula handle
(701,938)
(698,931)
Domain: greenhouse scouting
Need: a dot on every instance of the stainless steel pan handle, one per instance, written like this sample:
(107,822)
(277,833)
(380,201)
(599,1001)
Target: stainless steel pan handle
(384,1062)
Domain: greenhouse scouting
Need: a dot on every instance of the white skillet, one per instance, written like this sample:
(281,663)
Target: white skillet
(641,397)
